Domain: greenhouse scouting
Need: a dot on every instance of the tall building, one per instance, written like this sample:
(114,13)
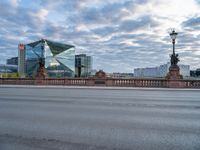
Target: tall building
(160,71)
(58,58)
(21,60)
(12,61)
(83,65)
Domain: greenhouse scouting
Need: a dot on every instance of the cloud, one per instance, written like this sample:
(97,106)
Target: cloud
(39,15)
(14,3)
(144,22)
(120,35)
(192,23)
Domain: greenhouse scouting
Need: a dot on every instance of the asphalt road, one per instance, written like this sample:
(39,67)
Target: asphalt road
(99,119)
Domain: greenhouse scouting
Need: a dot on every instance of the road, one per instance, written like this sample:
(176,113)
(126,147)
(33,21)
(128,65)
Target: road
(33,118)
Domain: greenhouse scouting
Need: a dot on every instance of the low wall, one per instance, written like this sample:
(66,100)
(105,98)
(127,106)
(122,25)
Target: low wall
(159,83)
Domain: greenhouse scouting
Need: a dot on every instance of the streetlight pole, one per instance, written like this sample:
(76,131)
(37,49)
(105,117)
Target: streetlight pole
(174,71)
(173,42)
(174,57)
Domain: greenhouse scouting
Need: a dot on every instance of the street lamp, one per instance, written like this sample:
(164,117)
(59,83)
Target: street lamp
(174,71)
(173,35)
(174,56)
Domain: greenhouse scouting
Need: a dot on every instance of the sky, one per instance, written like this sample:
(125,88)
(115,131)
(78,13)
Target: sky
(120,35)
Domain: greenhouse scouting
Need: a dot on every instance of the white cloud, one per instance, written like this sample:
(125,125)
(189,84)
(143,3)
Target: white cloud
(14,3)
(130,31)
(40,14)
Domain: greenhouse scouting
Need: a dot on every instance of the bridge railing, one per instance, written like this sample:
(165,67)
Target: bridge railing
(140,82)
(18,81)
(192,83)
(159,83)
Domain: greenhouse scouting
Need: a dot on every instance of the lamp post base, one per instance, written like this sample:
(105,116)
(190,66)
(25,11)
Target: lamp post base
(174,73)
(42,73)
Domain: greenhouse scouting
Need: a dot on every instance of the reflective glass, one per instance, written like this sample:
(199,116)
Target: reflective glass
(59,58)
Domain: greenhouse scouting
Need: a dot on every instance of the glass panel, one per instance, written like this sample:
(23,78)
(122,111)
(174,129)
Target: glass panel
(38,49)
(29,54)
(67,58)
(47,55)
(57,48)
(31,63)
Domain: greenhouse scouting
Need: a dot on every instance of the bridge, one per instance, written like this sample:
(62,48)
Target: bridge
(156,83)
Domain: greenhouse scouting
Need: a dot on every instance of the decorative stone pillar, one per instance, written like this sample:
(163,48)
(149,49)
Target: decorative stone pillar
(41,75)
(100,78)
(174,76)
(174,73)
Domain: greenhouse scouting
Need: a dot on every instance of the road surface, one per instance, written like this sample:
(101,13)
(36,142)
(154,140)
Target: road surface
(33,118)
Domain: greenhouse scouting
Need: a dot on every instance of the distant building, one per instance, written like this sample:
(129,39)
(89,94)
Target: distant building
(58,58)
(160,71)
(121,75)
(83,65)
(163,69)
(185,70)
(93,72)
(12,61)
(195,73)
(8,68)
(146,72)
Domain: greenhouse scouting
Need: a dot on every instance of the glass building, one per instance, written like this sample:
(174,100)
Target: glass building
(83,65)
(12,61)
(8,68)
(59,59)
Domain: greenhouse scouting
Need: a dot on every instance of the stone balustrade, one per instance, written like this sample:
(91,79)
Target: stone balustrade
(157,83)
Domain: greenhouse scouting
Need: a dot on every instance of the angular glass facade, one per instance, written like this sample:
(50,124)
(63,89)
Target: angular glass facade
(59,59)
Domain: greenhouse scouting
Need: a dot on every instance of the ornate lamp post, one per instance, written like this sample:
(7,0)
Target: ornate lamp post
(174,71)
(173,35)
(174,56)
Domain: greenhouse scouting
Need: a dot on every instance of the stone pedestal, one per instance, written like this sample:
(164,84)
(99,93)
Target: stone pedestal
(42,73)
(174,73)
(174,77)
(100,74)
(100,78)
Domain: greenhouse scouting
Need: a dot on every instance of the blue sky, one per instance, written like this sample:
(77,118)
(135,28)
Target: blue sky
(120,34)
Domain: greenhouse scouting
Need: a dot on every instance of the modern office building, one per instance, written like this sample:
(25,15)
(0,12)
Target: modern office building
(83,65)
(160,71)
(195,73)
(58,58)
(12,61)
(8,71)
(8,68)
(21,60)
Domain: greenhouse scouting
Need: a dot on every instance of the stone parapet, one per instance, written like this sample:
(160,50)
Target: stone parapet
(154,83)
